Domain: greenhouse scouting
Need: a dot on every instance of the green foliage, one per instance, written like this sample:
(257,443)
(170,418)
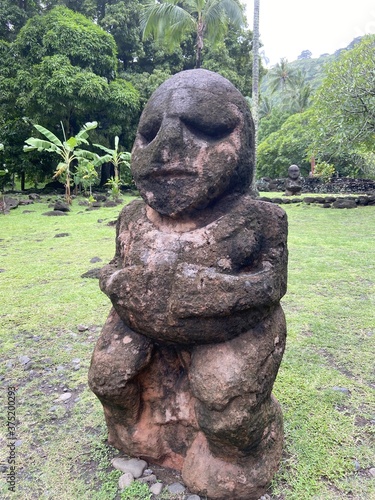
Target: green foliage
(14,14)
(117,159)
(324,170)
(64,32)
(272,121)
(289,145)
(66,150)
(345,103)
(121,20)
(114,187)
(136,490)
(232,58)
(41,78)
(147,83)
(86,175)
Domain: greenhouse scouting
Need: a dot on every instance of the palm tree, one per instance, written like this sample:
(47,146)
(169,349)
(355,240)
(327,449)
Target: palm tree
(255,86)
(280,76)
(209,19)
(298,93)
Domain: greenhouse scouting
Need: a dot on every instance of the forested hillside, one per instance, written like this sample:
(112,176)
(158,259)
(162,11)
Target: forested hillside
(320,110)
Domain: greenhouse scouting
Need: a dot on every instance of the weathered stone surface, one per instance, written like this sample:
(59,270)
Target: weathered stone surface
(61,206)
(345,203)
(10,203)
(125,480)
(156,488)
(55,213)
(188,356)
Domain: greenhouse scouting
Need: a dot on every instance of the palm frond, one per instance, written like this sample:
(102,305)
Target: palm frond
(166,20)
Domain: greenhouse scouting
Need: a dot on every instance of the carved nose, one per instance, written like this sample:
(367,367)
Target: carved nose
(169,139)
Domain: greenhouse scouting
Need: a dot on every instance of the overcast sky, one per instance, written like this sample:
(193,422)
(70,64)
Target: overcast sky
(287,27)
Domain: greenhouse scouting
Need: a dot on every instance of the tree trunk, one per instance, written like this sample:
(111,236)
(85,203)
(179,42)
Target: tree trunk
(255,87)
(23,180)
(199,46)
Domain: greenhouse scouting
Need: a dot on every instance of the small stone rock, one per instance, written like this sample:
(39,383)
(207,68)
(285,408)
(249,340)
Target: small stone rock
(61,206)
(61,235)
(24,360)
(34,196)
(92,273)
(82,328)
(176,488)
(156,488)
(76,361)
(125,480)
(148,479)
(63,397)
(193,497)
(372,471)
(55,213)
(95,259)
(132,465)
(344,390)
(148,472)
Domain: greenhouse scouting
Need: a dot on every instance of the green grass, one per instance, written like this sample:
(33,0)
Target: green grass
(330,304)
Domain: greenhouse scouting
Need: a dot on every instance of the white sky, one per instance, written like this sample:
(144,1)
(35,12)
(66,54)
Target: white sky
(287,27)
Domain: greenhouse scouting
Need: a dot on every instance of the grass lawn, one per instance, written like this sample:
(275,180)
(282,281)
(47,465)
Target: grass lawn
(50,318)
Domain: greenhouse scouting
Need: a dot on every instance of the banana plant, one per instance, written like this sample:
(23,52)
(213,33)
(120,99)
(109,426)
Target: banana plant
(86,175)
(66,149)
(115,157)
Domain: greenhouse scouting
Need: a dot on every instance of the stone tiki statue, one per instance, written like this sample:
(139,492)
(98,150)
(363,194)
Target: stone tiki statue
(188,356)
(293,183)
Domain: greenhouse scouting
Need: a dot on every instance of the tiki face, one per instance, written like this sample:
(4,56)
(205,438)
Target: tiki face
(189,145)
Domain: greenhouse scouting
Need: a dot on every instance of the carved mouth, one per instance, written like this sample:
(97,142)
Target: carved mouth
(170,171)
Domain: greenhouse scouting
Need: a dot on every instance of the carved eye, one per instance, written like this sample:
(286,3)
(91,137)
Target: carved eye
(149,130)
(207,130)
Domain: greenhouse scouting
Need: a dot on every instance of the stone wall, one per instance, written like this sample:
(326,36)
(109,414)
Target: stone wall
(316,185)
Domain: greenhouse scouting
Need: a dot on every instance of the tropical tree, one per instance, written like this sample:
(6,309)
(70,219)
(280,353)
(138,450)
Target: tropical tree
(86,175)
(172,20)
(66,149)
(116,157)
(298,93)
(288,145)
(255,87)
(280,76)
(344,105)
